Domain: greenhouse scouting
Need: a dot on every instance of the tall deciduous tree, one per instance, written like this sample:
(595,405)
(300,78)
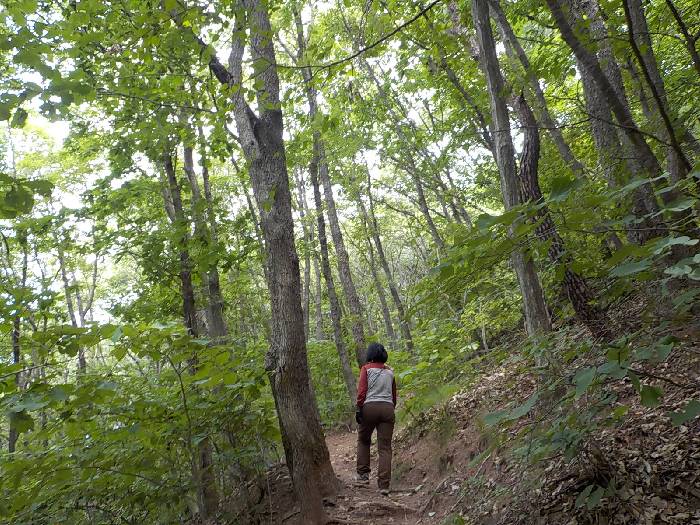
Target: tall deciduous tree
(536,315)
(263,146)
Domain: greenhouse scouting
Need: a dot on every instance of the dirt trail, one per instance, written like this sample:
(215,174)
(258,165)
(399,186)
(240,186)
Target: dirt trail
(362,503)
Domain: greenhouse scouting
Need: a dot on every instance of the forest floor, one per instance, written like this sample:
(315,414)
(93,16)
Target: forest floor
(451,469)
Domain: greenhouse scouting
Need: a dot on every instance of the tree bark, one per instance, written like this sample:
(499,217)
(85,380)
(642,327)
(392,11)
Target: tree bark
(610,88)
(318,293)
(484,127)
(513,47)
(82,364)
(409,165)
(575,286)
(286,361)
(689,39)
(537,319)
(386,314)
(13,435)
(641,44)
(345,366)
(219,329)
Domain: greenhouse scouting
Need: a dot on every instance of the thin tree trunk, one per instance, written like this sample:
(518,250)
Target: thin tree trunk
(208,498)
(345,366)
(466,219)
(219,329)
(537,319)
(343,260)
(689,40)
(484,127)
(371,219)
(69,299)
(641,44)
(575,286)
(306,291)
(409,165)
(13,435)
(513,47)
(319,168)
(610,88)
(346,280)
(318,290)
(386,314)
(618,106)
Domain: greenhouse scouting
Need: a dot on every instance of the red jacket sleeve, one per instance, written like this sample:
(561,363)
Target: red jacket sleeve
(393,390)
(362,387)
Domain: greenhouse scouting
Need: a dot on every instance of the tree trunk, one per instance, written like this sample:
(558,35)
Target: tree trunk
(306,290)
(575,286)
(536,316)
(608,90)
(13,435)
(371,219)
(484,127)
(466,219)
(69,299)
(319,167)
(318,291)
(688,39)
(409,164)
(345,366)
(219,330)
(513,47)
(641,43)
(203,473)
(386,314)
(286,361)
(346,280)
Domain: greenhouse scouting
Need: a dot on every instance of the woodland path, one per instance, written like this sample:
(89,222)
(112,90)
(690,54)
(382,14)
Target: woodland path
(362,503)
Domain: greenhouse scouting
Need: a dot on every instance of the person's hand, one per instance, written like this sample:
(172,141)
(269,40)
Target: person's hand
(358,416)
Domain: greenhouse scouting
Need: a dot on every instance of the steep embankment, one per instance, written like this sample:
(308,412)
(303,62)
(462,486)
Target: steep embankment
(447,468)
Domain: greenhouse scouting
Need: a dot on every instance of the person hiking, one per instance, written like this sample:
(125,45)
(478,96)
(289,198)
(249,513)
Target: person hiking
(376,400)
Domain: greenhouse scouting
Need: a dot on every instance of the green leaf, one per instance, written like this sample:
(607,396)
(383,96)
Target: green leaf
(650,395)
(19,118)
(683,240)
(691,411)
(561,187)
(19,200)
(680,204)
(117,334)
(583,496)
(594,499)
(5,111)
(21,421)
(631,268)
(678,270)
(42,186)
(29,57)
(494,418)
(583,380)
(525,407)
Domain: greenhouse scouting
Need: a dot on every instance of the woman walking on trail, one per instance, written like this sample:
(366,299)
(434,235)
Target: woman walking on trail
(376,399)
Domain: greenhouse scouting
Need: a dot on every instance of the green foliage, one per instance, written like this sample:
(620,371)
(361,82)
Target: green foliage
(116,435)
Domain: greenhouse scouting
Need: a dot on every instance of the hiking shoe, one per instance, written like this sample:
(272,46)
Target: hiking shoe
(362,478)
(384,492)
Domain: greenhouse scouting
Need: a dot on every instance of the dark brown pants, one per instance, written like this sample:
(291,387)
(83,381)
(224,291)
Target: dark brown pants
(380,416)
